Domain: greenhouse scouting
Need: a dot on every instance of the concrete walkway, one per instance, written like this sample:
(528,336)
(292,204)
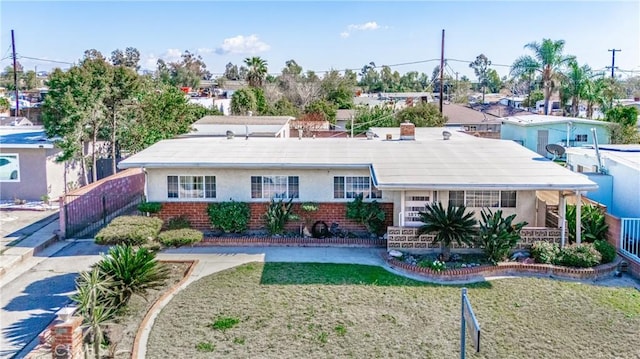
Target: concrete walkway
(34,288)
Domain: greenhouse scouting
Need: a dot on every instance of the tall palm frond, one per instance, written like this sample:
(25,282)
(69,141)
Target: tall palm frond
(257,71)
(454,224)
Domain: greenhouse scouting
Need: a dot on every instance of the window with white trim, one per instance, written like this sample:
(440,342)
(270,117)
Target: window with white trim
(275,187)
(191,186)
(482,198)
(352,186)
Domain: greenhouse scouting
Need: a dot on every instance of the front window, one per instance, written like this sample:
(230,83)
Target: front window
(191,186)
(9,168)
(275,187)
(479,199)
(351,187)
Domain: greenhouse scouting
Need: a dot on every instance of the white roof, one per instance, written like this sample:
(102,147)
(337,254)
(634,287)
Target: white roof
(628,155)
(536,120)
(429,162)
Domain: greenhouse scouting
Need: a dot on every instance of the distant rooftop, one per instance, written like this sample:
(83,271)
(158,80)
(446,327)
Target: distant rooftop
(536,120)
(627,154)
(24,137)
(244,120)
(463,115)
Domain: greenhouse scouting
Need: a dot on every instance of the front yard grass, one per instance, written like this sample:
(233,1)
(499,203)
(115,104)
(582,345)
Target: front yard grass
(296,310)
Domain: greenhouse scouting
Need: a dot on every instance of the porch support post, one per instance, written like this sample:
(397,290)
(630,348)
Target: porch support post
(401,214)
(563,218)
(578,216)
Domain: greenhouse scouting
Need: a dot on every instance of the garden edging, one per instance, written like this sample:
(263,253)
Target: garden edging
(506,269)
(159,303)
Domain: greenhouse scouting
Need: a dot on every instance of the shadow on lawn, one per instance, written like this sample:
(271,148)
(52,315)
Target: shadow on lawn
(340,274)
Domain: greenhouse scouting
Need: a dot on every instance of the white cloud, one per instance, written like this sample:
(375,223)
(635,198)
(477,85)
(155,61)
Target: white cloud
(205,50)
(242,45)
(367,26)
(172,55)
(371,25)
(150,61)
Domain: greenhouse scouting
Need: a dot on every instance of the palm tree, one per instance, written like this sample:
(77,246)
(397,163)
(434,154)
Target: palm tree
(452,224)
(593,93)
(257,71)
(548,60)
(575,81)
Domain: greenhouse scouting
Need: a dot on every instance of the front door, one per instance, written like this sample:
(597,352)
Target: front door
(414,203)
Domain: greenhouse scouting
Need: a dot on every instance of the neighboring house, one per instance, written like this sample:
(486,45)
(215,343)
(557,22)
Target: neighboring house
(473,122)
(27,165)
(15,121)
(554,107)
(243,126)
(512,101)
(535,132)
(403,169)
(343,118)
(617,174)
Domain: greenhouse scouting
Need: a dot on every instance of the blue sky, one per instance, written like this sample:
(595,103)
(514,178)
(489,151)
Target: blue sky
(321,35)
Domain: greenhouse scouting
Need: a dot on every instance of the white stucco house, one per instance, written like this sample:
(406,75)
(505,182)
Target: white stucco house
(617,173)
(401,168)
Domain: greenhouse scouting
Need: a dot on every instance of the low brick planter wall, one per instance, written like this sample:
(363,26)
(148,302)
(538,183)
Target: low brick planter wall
(292,242)
(506,269)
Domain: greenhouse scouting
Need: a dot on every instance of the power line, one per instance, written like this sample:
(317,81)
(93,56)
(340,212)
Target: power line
(46,60)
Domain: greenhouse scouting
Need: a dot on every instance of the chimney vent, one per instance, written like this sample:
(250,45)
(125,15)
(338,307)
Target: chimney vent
(407,131)
(230,135)
(446,135)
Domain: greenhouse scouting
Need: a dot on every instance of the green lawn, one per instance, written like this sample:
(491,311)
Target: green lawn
(294,310)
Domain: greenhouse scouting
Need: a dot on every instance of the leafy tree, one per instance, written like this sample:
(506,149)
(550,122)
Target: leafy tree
(324,108)
(338,89)
(184,73)
(231,72)
(480,66)
(377,116)
(243,101)
(533,98)
(623,124)
(454,224)
(422,115)
(129,58)
(257,71)
(283,107)
(4,104)
(548,60)
(494,83)
(593,94)
(369,78)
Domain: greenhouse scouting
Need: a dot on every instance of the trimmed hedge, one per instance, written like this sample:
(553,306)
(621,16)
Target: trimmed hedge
(545,252)
(606,249)
(130,230)
(582,255)
(180,237)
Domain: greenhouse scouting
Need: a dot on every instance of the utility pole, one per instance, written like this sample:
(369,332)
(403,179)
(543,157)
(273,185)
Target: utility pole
(15,75)
(613,61)
(441,70)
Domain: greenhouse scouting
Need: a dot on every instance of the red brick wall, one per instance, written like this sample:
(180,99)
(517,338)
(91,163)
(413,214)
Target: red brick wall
(613,237)
(85,205)
(327,212)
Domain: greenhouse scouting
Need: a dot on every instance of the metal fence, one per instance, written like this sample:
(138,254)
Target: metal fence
(85,215)
(630,237)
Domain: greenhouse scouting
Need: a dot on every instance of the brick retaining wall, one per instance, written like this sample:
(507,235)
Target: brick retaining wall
(327,212)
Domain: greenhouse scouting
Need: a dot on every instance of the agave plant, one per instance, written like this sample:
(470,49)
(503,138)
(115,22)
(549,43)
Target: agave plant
(133,271)
(498,235)
(94,293)
(454,224)
(278,214)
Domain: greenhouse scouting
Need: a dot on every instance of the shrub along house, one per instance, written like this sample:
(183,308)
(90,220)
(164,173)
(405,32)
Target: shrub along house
(402,169)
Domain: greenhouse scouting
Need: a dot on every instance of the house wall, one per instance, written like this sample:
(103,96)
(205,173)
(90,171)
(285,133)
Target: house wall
(525,209)
(32,180)
(625,187)
(528,135)
(315,185)
(56,176)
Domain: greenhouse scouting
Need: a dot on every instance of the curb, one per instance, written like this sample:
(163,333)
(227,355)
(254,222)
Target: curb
(15,255)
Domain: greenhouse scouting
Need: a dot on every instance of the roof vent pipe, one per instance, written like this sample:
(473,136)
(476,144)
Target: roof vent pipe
(230,135)
(595,145)
(446,135)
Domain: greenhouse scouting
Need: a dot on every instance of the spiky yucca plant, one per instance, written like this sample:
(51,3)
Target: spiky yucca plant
(454,224)
(498,235)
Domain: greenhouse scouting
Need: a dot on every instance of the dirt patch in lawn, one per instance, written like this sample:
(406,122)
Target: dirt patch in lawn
(126,325)
(295,310)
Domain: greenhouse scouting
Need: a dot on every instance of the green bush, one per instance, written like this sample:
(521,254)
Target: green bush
(592,223)
(179,222)
(368,213)
(606,249)
(545,252)
(231,217)
(582,255)
(130,230)
(498,235)
(180,237)
(150,207)
(277,215)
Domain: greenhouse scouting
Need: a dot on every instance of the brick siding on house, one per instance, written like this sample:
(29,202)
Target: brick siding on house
(613,237)
(84,206)
(327,212)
